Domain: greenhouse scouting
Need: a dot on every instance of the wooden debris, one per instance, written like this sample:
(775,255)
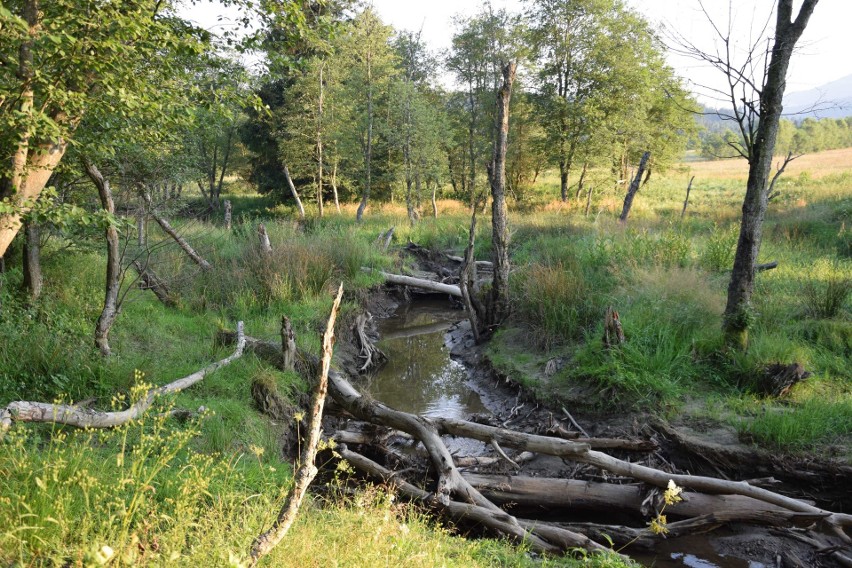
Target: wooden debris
(269,539)
(613,332)
(24,411)
(779,378)
(372,355)
(263,236)
(288,344)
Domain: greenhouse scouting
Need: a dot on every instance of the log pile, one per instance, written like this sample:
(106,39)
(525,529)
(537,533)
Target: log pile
(489,501)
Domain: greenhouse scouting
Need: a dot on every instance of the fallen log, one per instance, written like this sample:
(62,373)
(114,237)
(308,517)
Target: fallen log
(148,280)
(451,482)
(166,226)
(496,520)
(575,494)
(70,415)
(480,264)
(581,453)
(418,283)
(648,539)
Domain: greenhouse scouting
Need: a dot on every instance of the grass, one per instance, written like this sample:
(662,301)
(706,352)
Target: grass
(163,492)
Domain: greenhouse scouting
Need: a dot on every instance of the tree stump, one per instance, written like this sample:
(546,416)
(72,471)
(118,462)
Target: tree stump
(613,332)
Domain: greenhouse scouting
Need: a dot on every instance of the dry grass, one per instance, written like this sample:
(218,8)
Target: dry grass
(817,165)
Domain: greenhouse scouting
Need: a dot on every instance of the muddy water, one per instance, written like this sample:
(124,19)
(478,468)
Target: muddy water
(420,377)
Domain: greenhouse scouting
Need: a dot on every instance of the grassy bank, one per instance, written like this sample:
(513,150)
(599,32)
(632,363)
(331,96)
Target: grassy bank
(167,492)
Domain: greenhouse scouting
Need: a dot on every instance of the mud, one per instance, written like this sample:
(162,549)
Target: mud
(441,371)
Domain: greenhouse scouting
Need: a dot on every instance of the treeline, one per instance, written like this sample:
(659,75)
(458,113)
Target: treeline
(809,135)
(358,109)
(345,108)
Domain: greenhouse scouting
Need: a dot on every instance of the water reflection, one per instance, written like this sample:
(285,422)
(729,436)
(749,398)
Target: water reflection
(420,377)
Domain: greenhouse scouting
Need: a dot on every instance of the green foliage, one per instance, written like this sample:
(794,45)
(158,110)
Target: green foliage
(718,254)
(827,291)
(802,426)
(556,302)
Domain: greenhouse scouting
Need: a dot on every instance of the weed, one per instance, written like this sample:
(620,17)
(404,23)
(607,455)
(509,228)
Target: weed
(826,299)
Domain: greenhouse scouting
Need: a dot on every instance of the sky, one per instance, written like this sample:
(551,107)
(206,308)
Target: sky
(824,53)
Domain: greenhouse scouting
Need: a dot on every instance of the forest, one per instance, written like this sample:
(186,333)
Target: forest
(305,291)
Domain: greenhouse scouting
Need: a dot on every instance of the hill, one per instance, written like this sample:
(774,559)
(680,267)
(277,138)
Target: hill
(832,100)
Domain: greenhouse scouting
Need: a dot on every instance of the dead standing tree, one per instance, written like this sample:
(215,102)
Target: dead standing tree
(755,90)
(498,304)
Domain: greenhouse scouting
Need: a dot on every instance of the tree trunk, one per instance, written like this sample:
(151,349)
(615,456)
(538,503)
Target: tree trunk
(498,307)
(166,226)
(686,201)
(334,185)
(319,141)
(141,225)
(588,201)
(293,192)
(434,202)
(738,313)
(33,280)
(581,181)
(634,187)
(113,272)
(225,160)
(32,166)
(368,151)
(228,214)
(563,179)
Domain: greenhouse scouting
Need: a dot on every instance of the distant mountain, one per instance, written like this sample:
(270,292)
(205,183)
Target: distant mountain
(832,100)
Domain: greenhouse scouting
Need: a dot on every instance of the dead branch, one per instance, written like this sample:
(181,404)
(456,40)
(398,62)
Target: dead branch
(372,355)
(418,283)
(264,543)
(148,280)
(166,226)
(23,411)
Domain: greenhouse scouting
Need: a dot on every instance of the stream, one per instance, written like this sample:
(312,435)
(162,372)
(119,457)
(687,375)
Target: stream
(421,378)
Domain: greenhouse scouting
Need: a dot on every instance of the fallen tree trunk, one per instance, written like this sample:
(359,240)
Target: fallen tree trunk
(148,280)
(24,411)
(575,494)
(419,283)
(498,521)
(166,226)
(581,453)
(451,482)
(623,536)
